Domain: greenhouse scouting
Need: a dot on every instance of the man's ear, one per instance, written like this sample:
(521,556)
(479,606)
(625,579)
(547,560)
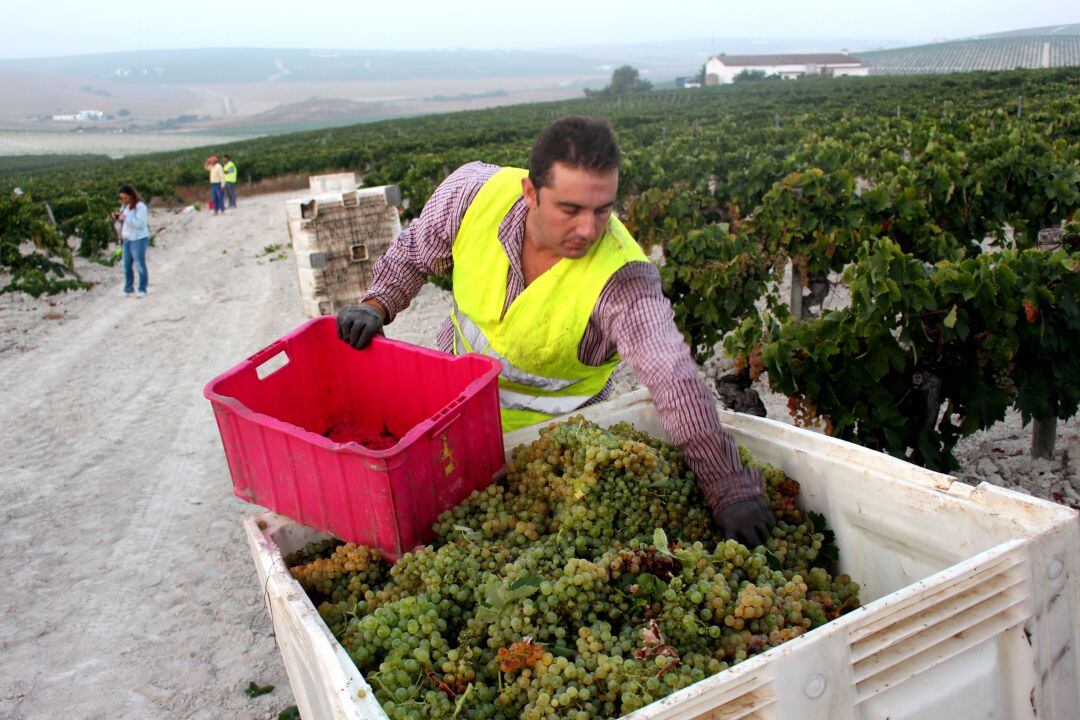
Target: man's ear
(531,192)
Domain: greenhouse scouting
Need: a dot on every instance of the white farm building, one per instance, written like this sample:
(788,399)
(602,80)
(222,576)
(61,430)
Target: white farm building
(81,115)
(722,69)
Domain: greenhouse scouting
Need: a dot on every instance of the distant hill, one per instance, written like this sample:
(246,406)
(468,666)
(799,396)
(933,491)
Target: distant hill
(248,65)
(1045,47)
(266,90)
(257,65)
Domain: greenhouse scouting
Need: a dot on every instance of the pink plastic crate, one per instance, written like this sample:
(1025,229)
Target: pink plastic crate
(281,433)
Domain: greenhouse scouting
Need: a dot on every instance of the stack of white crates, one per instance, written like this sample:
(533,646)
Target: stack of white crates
(338,232)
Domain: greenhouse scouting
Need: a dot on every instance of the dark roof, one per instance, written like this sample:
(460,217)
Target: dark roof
(790,59)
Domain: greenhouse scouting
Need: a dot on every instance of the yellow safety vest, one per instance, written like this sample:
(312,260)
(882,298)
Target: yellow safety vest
(537,340)
(230,172)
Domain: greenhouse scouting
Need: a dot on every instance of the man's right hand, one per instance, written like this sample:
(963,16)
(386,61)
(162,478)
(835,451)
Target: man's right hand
(358,324)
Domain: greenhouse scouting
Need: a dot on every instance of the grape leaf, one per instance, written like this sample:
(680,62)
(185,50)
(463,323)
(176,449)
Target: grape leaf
(498,597)
(467,532)
(659,539)
(253,690)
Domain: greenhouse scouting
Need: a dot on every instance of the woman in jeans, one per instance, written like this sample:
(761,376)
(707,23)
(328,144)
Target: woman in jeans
(135,232)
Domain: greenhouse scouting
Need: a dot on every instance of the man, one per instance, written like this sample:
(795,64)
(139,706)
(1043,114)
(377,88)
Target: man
(230,180)
(549,281)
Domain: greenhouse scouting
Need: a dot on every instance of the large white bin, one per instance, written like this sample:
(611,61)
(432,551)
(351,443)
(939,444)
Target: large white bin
(971,599)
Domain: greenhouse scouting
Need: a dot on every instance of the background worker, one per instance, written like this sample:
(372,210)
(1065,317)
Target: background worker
(549,281)
(229,172)
(133,217)
(217,183)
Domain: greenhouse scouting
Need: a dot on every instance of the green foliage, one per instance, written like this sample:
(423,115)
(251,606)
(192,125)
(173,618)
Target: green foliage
(254,690)
(444,282)
(812,218)
(42,270)
(625,79)
(23,166)
(713,278)
(658,215)
(749,75)
(928,354)
(1048,337)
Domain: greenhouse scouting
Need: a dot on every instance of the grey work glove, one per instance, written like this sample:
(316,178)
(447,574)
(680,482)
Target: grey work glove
(747,522)
(357,324)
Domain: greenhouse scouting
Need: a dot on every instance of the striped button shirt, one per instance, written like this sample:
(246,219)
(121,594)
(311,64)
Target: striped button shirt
(631,317)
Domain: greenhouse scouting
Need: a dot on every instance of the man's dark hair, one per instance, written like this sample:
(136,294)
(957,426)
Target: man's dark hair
(575,140)
(224,157)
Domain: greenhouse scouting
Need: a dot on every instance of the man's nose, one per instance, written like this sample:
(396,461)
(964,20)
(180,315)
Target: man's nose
(587,227)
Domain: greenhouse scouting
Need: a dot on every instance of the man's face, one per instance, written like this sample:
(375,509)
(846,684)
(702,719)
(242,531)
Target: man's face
(569,214)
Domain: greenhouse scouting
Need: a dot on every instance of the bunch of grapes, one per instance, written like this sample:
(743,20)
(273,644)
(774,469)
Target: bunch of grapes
(557,592)
(344,576)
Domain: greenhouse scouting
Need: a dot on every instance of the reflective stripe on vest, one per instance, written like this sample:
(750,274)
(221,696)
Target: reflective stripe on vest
(230,172)
(471,339)
(538,337)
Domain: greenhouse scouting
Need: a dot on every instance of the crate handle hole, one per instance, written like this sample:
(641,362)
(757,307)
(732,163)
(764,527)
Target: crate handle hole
(272,365)
(358,253)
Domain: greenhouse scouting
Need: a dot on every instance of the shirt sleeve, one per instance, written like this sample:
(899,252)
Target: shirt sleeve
(642,324)
(425,247)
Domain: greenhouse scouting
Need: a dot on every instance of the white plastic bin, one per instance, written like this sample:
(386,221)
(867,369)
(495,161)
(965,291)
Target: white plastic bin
(332,183)
(336,238)
(970,594)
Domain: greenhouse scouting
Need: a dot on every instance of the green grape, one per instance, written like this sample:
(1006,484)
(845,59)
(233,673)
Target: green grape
(543,596)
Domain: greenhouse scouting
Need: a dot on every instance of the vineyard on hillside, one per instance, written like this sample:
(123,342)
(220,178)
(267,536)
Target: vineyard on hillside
(995,53)
(926,197)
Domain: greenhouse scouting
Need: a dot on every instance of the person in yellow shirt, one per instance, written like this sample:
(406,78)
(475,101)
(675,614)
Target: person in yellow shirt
(230,180)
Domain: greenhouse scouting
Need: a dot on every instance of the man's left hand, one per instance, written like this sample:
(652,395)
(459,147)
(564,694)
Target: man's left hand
(747,522)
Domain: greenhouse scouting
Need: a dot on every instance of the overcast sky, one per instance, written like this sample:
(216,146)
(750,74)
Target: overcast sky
(43,28)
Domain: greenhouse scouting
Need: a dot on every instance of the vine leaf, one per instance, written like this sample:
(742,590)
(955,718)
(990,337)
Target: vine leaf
(500,597)
(254,690)
(467,532)
(659,539)
(654,643)
(950,319)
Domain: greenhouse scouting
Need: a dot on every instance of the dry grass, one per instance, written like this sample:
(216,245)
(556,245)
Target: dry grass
(196,194)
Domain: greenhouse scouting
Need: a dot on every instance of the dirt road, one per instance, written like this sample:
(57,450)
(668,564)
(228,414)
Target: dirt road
(127,588)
